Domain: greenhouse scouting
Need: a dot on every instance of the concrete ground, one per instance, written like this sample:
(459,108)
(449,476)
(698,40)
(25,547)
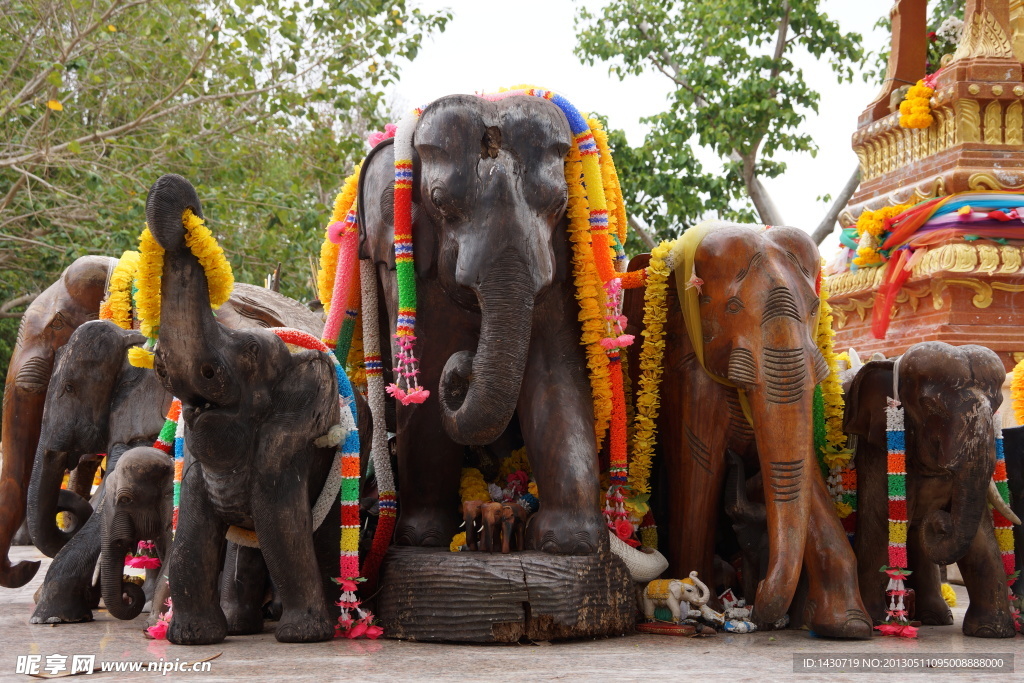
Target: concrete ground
(759,656)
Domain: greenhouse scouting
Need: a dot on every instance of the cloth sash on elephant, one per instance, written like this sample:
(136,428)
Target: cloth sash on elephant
(688,288)
(658,589)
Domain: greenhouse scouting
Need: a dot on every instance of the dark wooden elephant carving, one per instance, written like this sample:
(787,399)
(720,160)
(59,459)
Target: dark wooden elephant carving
(949,396)
(498,335)
(252,411)
(757,305)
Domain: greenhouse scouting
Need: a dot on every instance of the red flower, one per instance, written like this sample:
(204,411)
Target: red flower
(356,631)
(623,529)
(373,632)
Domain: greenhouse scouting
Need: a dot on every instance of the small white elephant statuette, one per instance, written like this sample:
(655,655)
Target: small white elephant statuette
(684,598)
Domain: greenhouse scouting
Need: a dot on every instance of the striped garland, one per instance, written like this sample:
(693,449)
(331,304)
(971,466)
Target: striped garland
(896,620)
(387,499)
(1002,526)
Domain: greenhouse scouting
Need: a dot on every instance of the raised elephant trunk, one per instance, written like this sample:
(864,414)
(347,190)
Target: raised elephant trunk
(123,599)
(46,498)
(479,391)
(948,535)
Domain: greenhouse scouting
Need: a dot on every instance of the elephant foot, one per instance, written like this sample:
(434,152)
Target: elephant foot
(425,529)
(932,617)
(851,625)
(188,629)
(313,626)
(70,614)
(988,623)
(244,623)
(553,531)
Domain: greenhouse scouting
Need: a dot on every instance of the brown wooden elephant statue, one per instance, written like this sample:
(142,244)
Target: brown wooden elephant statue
(497,321)
(756,304)
(949,396)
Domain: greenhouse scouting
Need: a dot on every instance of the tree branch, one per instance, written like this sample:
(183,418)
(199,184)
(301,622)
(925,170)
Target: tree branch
(24,299)
(828,223)
(645,236)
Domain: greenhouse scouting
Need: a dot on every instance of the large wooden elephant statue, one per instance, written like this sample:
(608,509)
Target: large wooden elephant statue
(748,386)
(497,323)
(252,412)
(949,396)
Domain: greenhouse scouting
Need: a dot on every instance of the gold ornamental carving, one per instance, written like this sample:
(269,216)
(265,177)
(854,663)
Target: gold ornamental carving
(984,37)
(1015,124)
(993,123)
(988,181)
(968,121)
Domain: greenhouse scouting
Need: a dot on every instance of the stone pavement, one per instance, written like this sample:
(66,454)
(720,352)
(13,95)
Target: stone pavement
(760,656)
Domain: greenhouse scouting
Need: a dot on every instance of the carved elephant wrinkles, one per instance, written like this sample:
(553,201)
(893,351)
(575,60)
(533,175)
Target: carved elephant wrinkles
(949,396)
(497,329)
(757,308)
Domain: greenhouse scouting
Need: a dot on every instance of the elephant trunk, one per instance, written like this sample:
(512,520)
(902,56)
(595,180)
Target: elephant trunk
(479,391)
(123,599)
(46,498)
(948,535)
(703,592)
(785,445)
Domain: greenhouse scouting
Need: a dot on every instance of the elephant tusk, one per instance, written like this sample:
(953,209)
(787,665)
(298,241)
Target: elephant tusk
(999,504)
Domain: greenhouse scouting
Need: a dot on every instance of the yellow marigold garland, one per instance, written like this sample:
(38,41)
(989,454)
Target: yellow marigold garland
(831,388)
(916,109)
(617,221)
(1017,392)
(648,397)
(589,293)
(513,463)
(472,486)
(871,228)
(220,280)
(118,305)
(329,250)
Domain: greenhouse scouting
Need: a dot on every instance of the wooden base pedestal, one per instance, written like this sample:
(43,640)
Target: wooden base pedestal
(436,595)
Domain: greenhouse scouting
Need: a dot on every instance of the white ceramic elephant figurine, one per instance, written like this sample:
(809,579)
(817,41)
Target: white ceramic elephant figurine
(684,598)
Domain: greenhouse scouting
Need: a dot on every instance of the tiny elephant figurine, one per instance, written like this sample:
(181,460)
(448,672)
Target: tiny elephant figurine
(137,507)
(513,526)
(675,594)
(490,518)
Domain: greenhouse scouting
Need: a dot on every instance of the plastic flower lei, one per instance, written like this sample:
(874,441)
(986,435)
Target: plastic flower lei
(117,307)
(203,245)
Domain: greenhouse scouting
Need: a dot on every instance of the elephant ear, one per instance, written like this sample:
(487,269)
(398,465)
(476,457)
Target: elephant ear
(866,401)
(306,400)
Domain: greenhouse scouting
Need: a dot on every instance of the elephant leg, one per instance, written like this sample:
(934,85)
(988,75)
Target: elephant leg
(67,594)
(834,608)
(871,540)
(284,526)
(326,541)
(559,441)
(242,588)
(988,612)
(695,456)
(925,494)
(195,562)
(161,594)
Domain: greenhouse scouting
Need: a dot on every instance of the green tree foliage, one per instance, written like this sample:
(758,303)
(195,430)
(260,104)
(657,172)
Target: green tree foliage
(737,94)
(263,104)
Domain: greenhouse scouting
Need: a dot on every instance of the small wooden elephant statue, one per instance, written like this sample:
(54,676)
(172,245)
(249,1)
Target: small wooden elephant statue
(513,526)
(501,524)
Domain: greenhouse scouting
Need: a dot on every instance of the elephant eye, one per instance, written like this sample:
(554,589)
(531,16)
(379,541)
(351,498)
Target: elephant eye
(124,499)
(69,388)
(734,305)
(815,305)
(57,324)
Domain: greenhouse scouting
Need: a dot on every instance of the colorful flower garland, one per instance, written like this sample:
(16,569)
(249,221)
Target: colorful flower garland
(219,278)
(1017,392)
(117,307)
(1003,527)
(872,229)
(896,622)
(915,109)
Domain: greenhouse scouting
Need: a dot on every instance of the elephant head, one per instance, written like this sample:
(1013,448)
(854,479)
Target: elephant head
(242,391)
(490,196)
(949,396)
(758,308)
(91,384)
(46,326)
(137,507)
(692,590)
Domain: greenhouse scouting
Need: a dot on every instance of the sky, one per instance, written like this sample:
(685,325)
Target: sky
(496,43)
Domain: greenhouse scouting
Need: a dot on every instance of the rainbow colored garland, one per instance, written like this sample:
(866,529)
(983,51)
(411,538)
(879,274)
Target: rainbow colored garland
(1004,528)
